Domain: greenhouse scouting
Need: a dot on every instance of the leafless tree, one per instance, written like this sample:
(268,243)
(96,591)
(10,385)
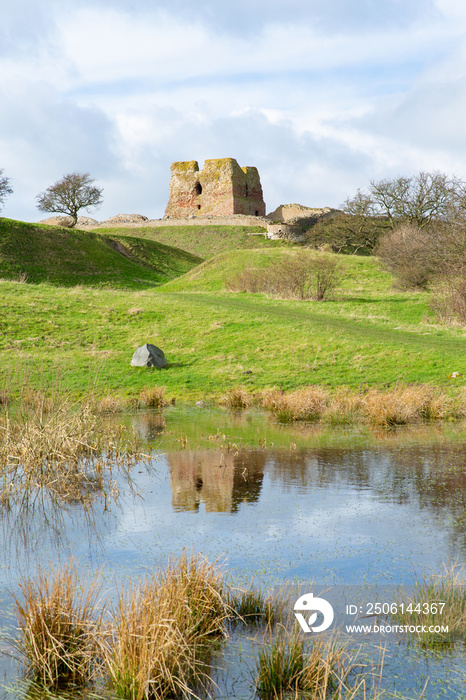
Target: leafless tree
(417,200)
(5,188)
(69,195)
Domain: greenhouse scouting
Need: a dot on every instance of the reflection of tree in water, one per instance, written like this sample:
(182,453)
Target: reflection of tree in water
(220,480)
(319,467)
(432,477)
(436,476)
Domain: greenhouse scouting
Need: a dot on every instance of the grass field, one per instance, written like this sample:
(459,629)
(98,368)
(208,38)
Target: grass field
(58,256)
(78,323)
(204,241)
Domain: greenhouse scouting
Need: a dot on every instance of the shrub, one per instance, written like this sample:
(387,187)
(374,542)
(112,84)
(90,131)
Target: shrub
(406,253)
(348,234)
(292,277)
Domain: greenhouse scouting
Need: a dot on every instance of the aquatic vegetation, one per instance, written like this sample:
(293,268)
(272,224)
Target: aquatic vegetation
(306,404)
(152,397)
(163,630)
(59,623)
(62,445)
(439,603)
(287,664)
(401,405)
(236,398)
(252,606)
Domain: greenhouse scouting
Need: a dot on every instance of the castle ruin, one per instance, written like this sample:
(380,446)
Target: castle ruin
(222,188)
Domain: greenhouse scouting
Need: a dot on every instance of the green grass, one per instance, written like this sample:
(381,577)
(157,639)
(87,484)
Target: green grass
(204,241)
(370,335)
(65,257)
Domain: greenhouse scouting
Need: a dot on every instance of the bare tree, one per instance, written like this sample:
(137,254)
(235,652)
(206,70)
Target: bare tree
(417,200)
(69,195)
(5,188)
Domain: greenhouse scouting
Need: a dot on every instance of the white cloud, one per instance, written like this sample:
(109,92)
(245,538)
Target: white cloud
(321,95)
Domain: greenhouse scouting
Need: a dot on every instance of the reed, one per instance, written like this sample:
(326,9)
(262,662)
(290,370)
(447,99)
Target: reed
(146,655)
(164,629)
(64,446)
(306,404)
(344,408)
(409,404)
(152,397)
(252,606)
(401,405)
(59,622)
(436,602)
(237,399)
(286,665)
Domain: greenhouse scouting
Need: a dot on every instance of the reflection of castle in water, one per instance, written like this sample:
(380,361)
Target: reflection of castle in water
(222,481)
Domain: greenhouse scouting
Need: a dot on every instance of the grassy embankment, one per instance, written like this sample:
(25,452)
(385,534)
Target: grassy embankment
(86,307)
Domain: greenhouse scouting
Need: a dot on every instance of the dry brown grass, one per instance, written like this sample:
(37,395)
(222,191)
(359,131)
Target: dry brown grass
(163,629)
(401,405)
(60,445)
(344,408)
(110,404)
(409,404)
(152,397)
(306,404)
(237,399)
(59,622)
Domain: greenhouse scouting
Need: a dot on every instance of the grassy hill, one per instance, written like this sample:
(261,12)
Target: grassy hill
(41,253)
(204,241)
(369,335)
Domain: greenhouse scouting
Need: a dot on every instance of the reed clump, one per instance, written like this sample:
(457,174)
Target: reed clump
(164,629)
(59,624)
(409,404)
(306,404)
(152,397)
(438,603)
(343,408)
(252,606)
(386,408)
(237,399)
(285,665)
(147,655)
(61,445)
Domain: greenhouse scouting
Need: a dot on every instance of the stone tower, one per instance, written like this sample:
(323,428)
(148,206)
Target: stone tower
(222,188)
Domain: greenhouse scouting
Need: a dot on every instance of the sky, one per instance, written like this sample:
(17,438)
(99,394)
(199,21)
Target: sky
(322,96)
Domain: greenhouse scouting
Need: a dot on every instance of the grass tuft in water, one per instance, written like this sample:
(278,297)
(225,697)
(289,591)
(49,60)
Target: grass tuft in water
(164,629)
(436,602)
(59,622)
(252,606)
(285,664)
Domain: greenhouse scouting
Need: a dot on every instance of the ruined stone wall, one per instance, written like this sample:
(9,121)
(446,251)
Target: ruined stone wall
(221,189)
(290,212)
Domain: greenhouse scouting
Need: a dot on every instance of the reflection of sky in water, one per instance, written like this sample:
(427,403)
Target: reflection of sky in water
(320,516)
(332,516)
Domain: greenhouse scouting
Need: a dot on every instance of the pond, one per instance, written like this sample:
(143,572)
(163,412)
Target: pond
(279,505)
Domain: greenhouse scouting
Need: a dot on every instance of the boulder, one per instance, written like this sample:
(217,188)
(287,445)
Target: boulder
(148,356)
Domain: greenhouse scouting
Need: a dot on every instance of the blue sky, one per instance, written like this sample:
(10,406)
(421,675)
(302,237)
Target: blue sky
(321,95)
